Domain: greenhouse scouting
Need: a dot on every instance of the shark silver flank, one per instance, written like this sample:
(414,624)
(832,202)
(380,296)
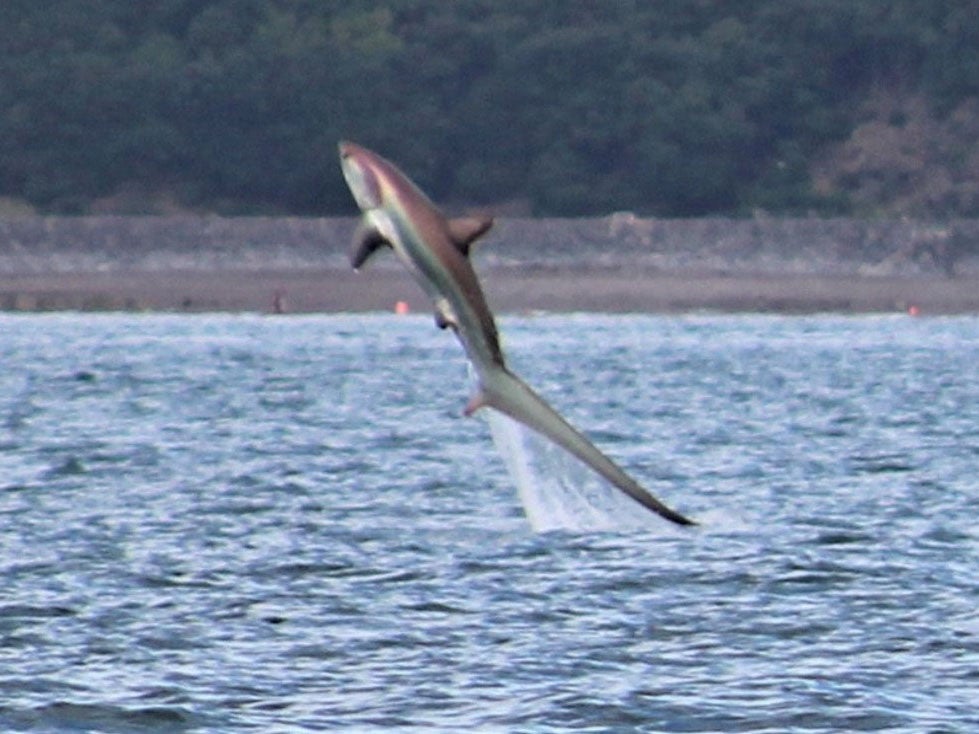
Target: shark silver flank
(436,251)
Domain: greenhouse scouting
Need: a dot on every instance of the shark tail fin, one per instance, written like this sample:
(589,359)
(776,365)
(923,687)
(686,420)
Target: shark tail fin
(508,394)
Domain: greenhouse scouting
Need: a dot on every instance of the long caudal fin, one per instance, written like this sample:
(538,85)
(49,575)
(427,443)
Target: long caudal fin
(508,394)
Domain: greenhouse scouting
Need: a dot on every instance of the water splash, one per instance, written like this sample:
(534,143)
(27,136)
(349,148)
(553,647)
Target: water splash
(558,491)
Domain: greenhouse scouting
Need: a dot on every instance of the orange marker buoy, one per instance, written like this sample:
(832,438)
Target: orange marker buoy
(401,308)
(913,310)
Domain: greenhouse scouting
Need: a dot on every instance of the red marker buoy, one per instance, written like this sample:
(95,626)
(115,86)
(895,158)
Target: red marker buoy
(401,308)
(913,310)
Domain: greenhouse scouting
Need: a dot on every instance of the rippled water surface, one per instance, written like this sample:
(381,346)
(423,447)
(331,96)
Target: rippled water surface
(221,523)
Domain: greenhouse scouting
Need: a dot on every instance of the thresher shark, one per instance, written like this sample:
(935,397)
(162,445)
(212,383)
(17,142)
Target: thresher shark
(435,250)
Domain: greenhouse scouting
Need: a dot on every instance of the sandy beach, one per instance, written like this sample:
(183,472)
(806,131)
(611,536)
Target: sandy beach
(612,264)
(509,290)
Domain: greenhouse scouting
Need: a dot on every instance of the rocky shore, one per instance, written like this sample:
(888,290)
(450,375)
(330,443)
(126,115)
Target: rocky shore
(616,263)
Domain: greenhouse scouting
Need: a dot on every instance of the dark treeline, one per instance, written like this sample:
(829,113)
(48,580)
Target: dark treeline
(667,108)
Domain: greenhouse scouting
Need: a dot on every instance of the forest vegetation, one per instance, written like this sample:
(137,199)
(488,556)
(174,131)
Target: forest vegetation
(674,108)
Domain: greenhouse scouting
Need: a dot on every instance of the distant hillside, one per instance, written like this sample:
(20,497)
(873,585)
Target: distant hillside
(904,159)
(667,109)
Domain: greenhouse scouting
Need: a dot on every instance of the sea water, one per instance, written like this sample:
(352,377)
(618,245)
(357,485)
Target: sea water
(247,523)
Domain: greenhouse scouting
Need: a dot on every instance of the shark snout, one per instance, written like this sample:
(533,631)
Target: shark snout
(360,175)
(345,148)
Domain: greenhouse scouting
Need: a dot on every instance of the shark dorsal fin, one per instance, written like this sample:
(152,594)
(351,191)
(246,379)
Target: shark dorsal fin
(366,241)
(465,230)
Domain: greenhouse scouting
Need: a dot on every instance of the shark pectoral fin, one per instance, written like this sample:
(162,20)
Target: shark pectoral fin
(366,241)
(477,401)
(465,230)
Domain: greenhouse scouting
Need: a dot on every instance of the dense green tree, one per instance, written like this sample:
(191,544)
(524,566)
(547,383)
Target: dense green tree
(674,108)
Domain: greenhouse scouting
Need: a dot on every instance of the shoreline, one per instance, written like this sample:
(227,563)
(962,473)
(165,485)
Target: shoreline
(508,290)
(617,263)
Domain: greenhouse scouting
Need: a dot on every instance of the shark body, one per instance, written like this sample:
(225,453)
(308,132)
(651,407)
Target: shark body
(396,213)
